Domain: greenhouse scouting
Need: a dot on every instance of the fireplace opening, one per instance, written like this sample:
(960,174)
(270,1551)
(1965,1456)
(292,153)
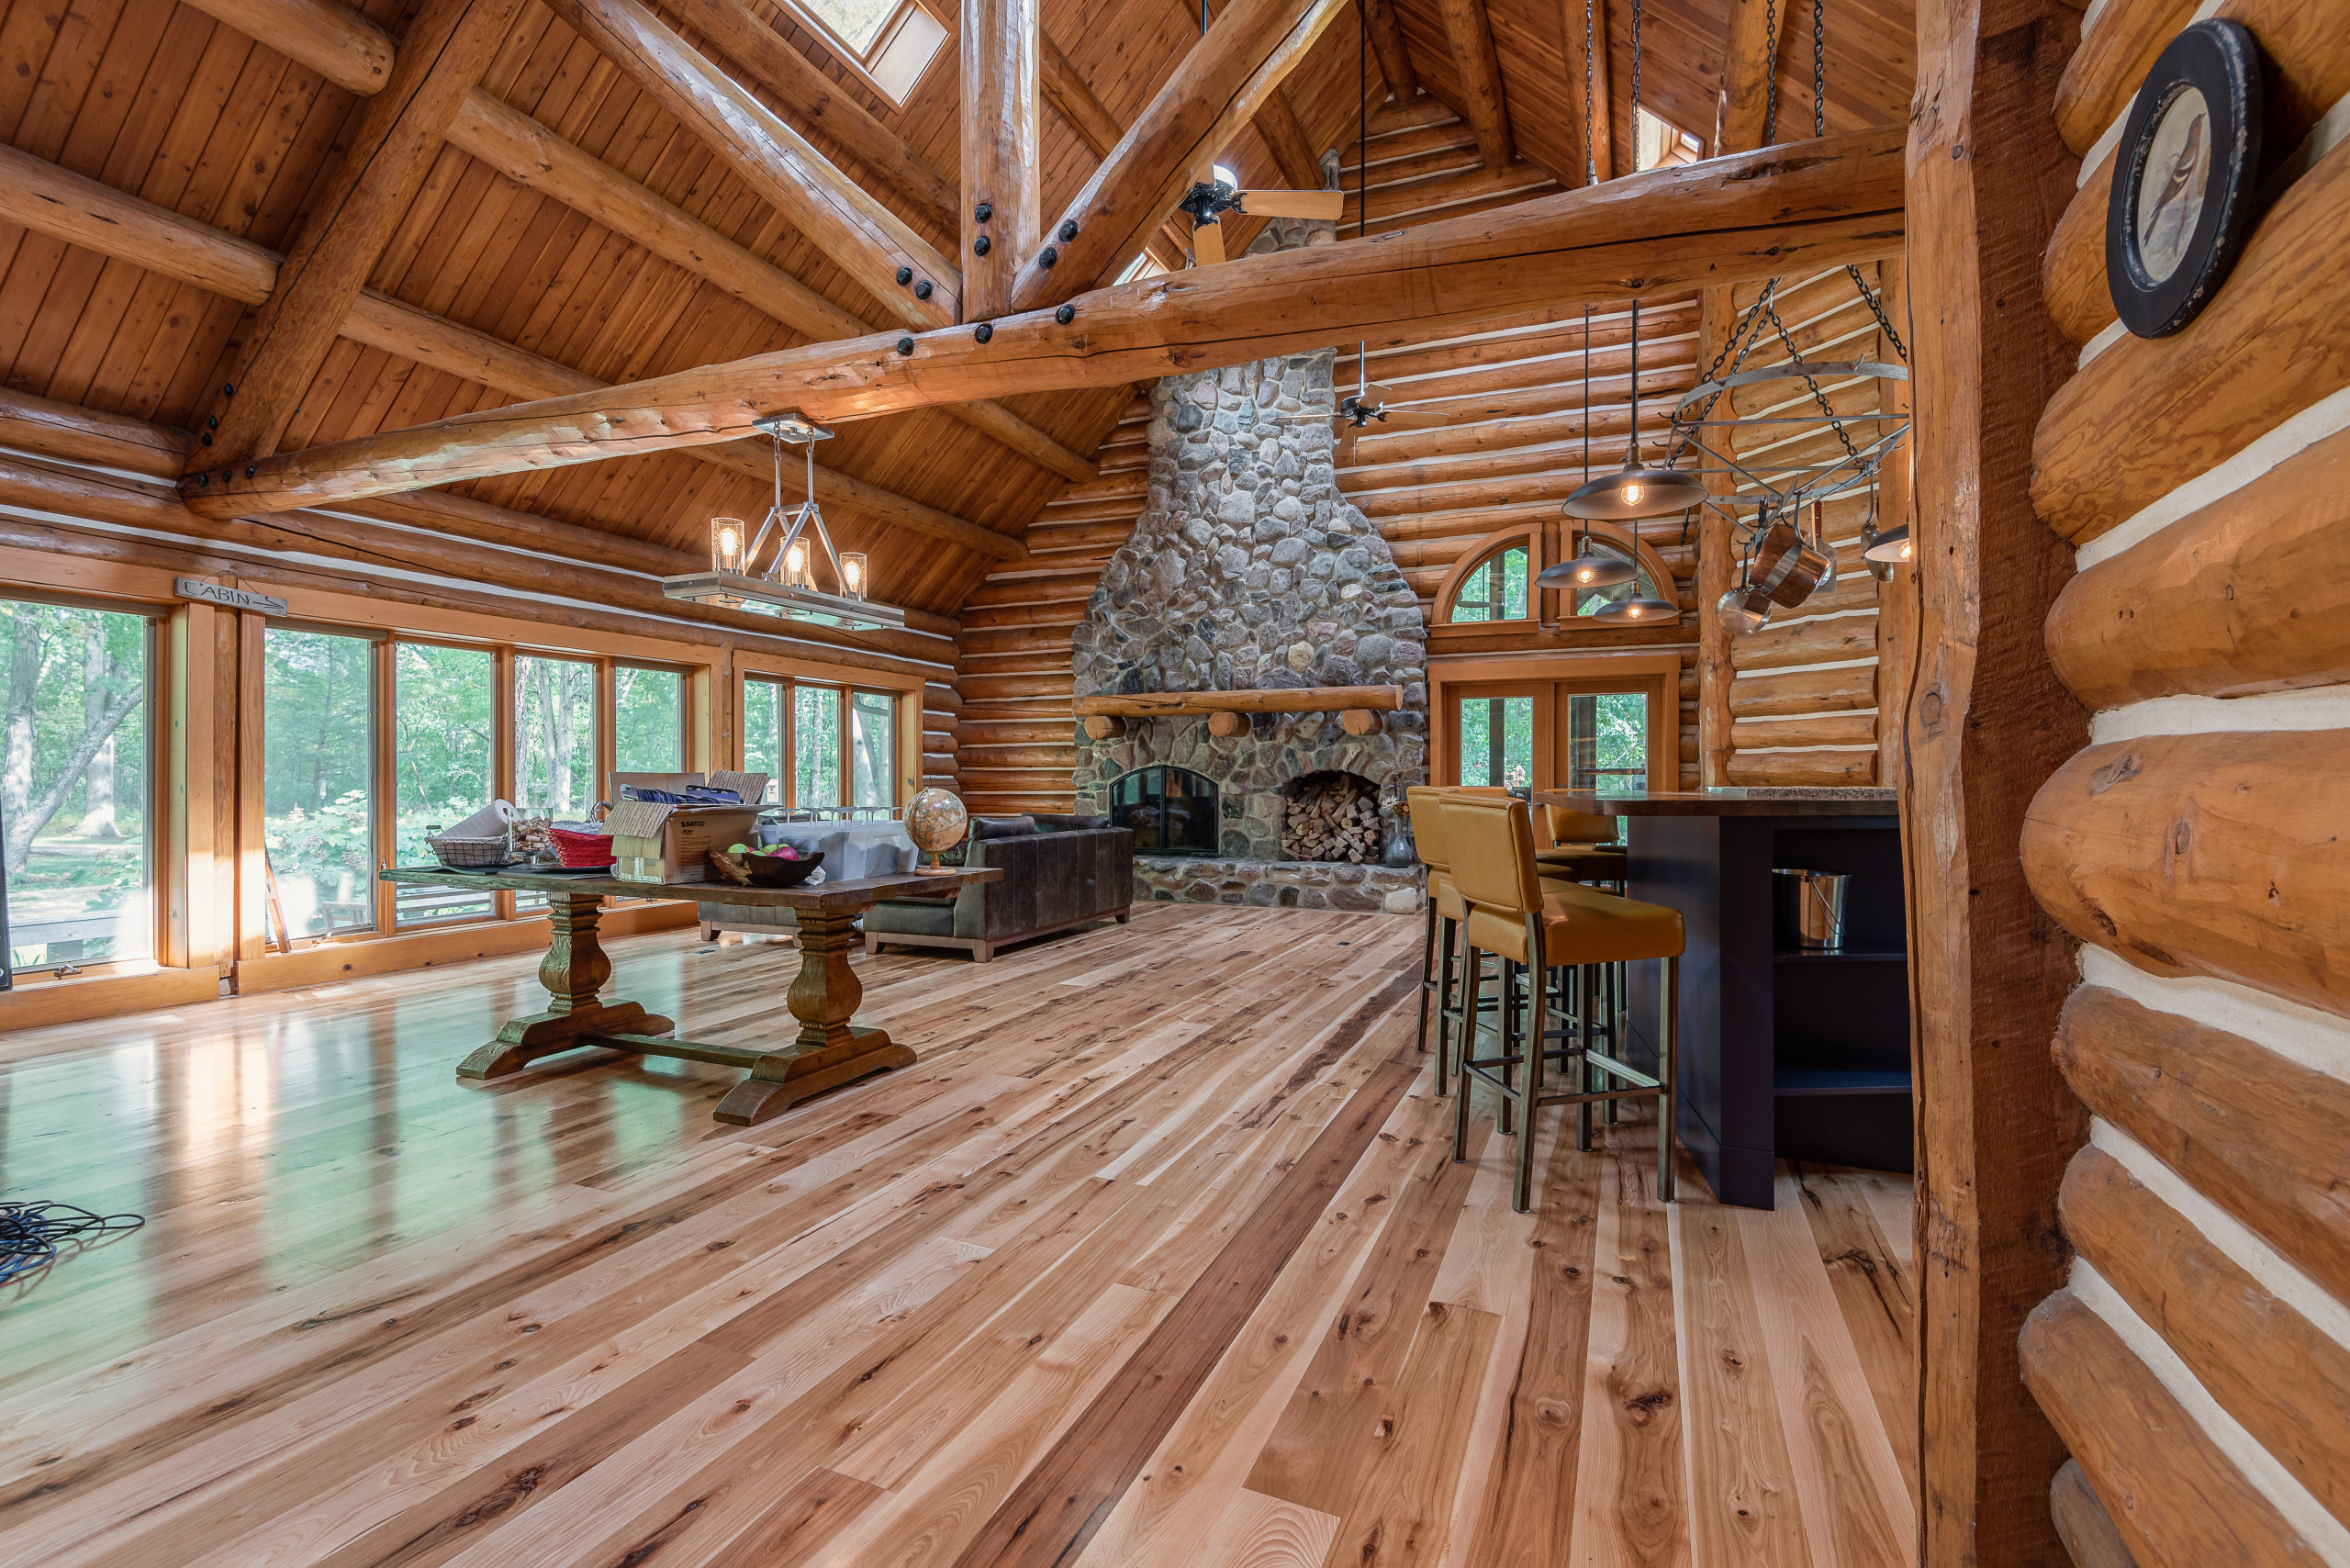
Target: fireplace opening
(1331,815)
(1172,810)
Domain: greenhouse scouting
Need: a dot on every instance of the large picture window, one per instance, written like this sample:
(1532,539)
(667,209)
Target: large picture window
(76,807)
(826,750)
(648,720)
(873,749)
(815,747)
(318,779)
(444,764)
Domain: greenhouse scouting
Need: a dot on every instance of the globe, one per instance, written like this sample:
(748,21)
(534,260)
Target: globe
(936,820)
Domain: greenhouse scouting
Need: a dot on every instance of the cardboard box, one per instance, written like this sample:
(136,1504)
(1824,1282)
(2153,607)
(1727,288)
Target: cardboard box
(655,842)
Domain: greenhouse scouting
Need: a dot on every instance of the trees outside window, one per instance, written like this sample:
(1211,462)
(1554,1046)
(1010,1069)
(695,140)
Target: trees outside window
(1495,589)
(873,745)
(648,720)
(444,764)
(318,778)
(74,813)
(816,746)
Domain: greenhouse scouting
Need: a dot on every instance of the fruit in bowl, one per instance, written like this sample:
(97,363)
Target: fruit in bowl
(784,867)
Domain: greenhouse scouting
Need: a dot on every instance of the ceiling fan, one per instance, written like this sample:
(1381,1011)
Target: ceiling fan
(1366,407)
(1210,199)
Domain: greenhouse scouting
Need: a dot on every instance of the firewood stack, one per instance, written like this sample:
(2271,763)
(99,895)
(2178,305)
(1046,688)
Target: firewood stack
(1334,819)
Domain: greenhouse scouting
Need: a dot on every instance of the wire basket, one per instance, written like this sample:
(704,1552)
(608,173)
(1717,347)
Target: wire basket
(473,852)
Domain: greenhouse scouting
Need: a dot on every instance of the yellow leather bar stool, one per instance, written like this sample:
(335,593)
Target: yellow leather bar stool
(1440,946)
(1584,848)
(1537,926)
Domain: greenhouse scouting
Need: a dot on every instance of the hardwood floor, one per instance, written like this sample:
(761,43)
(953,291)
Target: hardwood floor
(1159,1257)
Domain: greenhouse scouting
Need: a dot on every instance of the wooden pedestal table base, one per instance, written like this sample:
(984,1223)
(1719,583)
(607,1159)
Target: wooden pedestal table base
(828,1050)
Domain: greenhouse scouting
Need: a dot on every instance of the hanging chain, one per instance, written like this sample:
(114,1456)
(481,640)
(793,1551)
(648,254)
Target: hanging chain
(1771,73)
(1877,308)
(1636,65)
(1819,67)
(1795,358)
(1590,150)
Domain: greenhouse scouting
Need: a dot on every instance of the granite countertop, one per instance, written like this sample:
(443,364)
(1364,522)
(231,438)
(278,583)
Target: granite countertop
(1827,802)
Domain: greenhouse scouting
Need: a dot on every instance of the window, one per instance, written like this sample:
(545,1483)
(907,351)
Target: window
(1497,741)
(765,705)
(1608,744)
(888,42)
(815,747)
(1493,589)
(1663,143)
(873,749)
(648,720)
(444,764)
(318,779)
(75,814)
(555,737)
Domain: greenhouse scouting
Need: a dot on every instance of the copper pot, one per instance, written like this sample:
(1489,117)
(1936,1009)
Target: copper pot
(1786,567)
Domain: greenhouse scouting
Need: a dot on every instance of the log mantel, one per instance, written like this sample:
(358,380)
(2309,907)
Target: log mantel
(1299,699)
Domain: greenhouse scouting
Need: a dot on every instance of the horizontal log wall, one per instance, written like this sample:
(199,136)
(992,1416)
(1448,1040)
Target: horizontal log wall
(1802,700)
(2199,1368)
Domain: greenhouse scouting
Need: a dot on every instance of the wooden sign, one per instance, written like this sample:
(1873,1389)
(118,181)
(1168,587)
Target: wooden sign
(226,598)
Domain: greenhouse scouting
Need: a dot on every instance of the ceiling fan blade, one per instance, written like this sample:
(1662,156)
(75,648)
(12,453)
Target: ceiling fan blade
(1207,243)
(1376,396)
(1411,418)
(1295,204)
(1300,418)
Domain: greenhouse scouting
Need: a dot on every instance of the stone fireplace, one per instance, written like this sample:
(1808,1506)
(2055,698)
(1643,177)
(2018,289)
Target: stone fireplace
(1249,571)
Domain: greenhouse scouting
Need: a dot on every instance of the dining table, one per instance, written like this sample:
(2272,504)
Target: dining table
(1786,1051)
(828,1048)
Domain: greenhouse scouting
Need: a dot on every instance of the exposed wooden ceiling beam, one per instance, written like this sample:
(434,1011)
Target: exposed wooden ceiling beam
(1219,88)
(1807,205)
(1001,165)
(1285,135)
(738,31)
(281,346)
(530,154)
(1470,33)
(862,237)
(1579,21)
(1065,87)
(83,212)
(1749,60)
(1387,47)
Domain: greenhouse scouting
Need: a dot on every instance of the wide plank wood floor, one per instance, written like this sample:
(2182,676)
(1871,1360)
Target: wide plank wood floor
(1159,1255)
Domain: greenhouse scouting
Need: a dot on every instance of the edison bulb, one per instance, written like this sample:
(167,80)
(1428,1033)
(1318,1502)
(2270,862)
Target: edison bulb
(1632,494)
(1905,549)
(796,561)
(1584,574)
(853,573)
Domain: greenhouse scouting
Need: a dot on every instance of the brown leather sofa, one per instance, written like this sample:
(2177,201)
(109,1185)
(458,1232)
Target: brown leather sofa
(1059,872)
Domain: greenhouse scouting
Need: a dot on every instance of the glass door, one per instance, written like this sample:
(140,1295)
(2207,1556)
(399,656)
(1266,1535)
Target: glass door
(1501,736)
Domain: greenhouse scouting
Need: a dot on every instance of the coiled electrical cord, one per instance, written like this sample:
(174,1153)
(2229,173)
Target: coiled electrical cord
(34,1236)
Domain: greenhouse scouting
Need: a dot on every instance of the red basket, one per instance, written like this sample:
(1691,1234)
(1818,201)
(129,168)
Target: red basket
(581,849)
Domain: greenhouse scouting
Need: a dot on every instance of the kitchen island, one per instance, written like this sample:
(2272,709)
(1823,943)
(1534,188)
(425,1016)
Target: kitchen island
(1785,1053)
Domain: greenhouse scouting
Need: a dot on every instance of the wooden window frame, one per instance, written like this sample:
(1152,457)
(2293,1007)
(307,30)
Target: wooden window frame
(1546,544)
(1656,676)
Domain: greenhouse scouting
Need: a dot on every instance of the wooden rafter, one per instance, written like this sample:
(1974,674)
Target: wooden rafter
(1750,59)
(353,52)
(1219,88)
(1387,46)
(744,37)
(1483,105)
(1000,161)
(1277,122)
(281,346)
(1807,205)
(864,238)
(1065,87)
(81,211)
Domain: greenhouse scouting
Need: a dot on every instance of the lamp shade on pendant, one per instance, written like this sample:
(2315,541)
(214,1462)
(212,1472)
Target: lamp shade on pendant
(1892,547)
(727,536)
(1640,609)
(853,573)
(1588,570)
(1633,491)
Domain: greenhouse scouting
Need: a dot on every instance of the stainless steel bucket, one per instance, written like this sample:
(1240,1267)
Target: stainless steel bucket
(1807,909)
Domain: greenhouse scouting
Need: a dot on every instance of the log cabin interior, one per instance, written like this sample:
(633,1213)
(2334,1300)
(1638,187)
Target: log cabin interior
(1113,782)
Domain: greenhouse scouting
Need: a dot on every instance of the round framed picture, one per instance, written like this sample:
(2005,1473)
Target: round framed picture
(2183,178)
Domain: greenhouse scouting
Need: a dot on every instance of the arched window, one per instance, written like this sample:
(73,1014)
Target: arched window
(1494,581)
(1494,589)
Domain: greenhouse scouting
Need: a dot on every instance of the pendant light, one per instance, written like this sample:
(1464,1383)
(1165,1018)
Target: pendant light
(788,586)
(1640,607)
(1588,570)
(1634,491)
(1890,548)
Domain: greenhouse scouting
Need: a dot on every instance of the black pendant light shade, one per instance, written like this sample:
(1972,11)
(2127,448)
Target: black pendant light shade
(1634,491)
(1891,547)
(1589,569)
(1640,609)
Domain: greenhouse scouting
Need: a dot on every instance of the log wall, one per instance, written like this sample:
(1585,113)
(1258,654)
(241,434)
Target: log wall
(1824,650)
(2197,1366)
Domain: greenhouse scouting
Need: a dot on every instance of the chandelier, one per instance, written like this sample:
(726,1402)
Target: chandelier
(787,585)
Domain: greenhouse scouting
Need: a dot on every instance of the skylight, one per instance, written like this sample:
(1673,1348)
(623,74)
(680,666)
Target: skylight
(889,43)
(856,23)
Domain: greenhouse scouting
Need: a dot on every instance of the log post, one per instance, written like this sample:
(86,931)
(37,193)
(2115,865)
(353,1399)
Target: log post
(1227,726)
(1387,47)
(1000,164)
(1716,549)
(1102,727)
(1470,33)
(1982,723)
(1360,722)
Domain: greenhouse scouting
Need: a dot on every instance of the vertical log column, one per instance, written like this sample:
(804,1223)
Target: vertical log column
(1983,722)
(1001,173)
(1717,550)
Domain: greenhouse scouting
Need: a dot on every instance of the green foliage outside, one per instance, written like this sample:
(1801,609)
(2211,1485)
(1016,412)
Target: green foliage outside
(648,720)
(1495,589)
(318,773)
(74,784)
(815,747)
(873,730)
(444,727)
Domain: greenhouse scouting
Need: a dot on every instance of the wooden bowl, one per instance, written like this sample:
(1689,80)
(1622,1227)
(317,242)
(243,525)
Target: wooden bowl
(765,871)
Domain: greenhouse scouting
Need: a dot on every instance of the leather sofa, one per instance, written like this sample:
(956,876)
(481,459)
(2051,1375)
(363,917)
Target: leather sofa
(850,849)
(1059,872)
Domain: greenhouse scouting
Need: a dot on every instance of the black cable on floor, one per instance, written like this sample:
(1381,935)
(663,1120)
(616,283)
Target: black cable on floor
(34,1236)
